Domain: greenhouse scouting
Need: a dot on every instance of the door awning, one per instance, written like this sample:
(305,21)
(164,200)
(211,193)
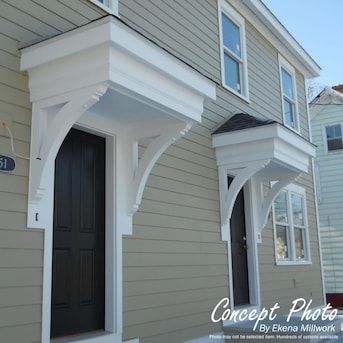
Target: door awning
(109,69)
(261,151)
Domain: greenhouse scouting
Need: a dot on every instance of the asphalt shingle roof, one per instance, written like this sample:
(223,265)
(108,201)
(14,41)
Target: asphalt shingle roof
(241,121)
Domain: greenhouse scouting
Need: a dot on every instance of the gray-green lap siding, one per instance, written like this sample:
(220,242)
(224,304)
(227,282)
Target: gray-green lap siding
(175,264)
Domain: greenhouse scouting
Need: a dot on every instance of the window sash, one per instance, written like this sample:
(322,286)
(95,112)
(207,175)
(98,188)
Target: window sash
(238,75)
(237,52)
(290,97)
(288,250)
(284,70)
(223,14)
(291,228)
(334,141)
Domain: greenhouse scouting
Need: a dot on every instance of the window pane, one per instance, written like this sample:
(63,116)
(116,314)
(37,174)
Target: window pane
(231,36)
(335,144)
(289,117)
(232,78)
(297,209)
(281,242)
(330,132)
(280,208)
(299,243)
(287,83)
(338,132)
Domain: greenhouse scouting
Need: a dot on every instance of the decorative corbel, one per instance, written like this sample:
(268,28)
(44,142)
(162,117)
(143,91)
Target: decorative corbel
(229,194)
(162,139)
(51,121)
(268,199)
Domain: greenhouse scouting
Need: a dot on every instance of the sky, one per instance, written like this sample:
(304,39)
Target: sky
(318,26)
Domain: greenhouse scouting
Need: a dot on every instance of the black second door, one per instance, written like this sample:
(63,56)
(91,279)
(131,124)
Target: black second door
(239,252)
(78,287)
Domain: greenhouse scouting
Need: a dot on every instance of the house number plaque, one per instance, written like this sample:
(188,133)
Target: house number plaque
(6,163)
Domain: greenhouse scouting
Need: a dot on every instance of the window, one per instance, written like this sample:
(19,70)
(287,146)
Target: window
(233,51)
(290,226)
(289,96)
(334,137)
(110,6)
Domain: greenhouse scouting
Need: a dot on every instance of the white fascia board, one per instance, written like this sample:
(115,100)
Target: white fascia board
(112,31)
(296,141)
(270,27)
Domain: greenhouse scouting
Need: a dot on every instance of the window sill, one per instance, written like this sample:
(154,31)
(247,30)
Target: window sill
(293,263)
(239,95)
(334,152)
(107,9)
(297,131)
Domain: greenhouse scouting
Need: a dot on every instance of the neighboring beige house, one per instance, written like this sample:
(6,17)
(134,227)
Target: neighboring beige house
(150,141)
(326,123)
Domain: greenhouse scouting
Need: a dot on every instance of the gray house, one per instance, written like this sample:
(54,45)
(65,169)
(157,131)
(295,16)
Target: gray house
(326,122)
(142,146)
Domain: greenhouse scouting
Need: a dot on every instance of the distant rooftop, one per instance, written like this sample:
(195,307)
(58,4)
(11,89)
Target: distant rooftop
(338,88)
(242,121)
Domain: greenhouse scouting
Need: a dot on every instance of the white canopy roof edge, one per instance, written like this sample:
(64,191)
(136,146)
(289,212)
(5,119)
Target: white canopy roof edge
(109,69)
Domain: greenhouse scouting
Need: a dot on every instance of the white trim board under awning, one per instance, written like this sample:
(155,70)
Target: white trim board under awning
(263,154)
(107,68)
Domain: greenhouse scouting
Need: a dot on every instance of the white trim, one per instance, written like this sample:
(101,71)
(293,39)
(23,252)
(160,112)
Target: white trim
(283,64)
(269,26)
(232,14)
(135,340)
(295,189)
(319,236)
(316,203)
(110,6)
(113,244)
(252,252)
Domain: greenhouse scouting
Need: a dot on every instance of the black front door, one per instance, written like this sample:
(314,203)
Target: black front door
(78,278)
(239,252)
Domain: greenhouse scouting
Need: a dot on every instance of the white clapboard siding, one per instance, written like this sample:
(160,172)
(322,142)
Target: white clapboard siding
(331,206)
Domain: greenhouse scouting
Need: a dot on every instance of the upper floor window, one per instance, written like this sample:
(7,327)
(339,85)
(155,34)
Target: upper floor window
(290,226)
(289,95)
(334,137)
(233,51)
(110,6)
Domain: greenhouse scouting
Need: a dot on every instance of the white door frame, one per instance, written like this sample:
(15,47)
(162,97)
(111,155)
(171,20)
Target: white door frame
(252,254)
(113,249)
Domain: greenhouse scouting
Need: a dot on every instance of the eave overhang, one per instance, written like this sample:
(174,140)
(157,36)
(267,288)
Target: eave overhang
(270,154)
(265,21)
(110,69)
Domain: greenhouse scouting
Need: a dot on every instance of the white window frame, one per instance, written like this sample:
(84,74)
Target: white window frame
(110,6)
(338,151)
(236,18)
(283,64)
(295,189)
